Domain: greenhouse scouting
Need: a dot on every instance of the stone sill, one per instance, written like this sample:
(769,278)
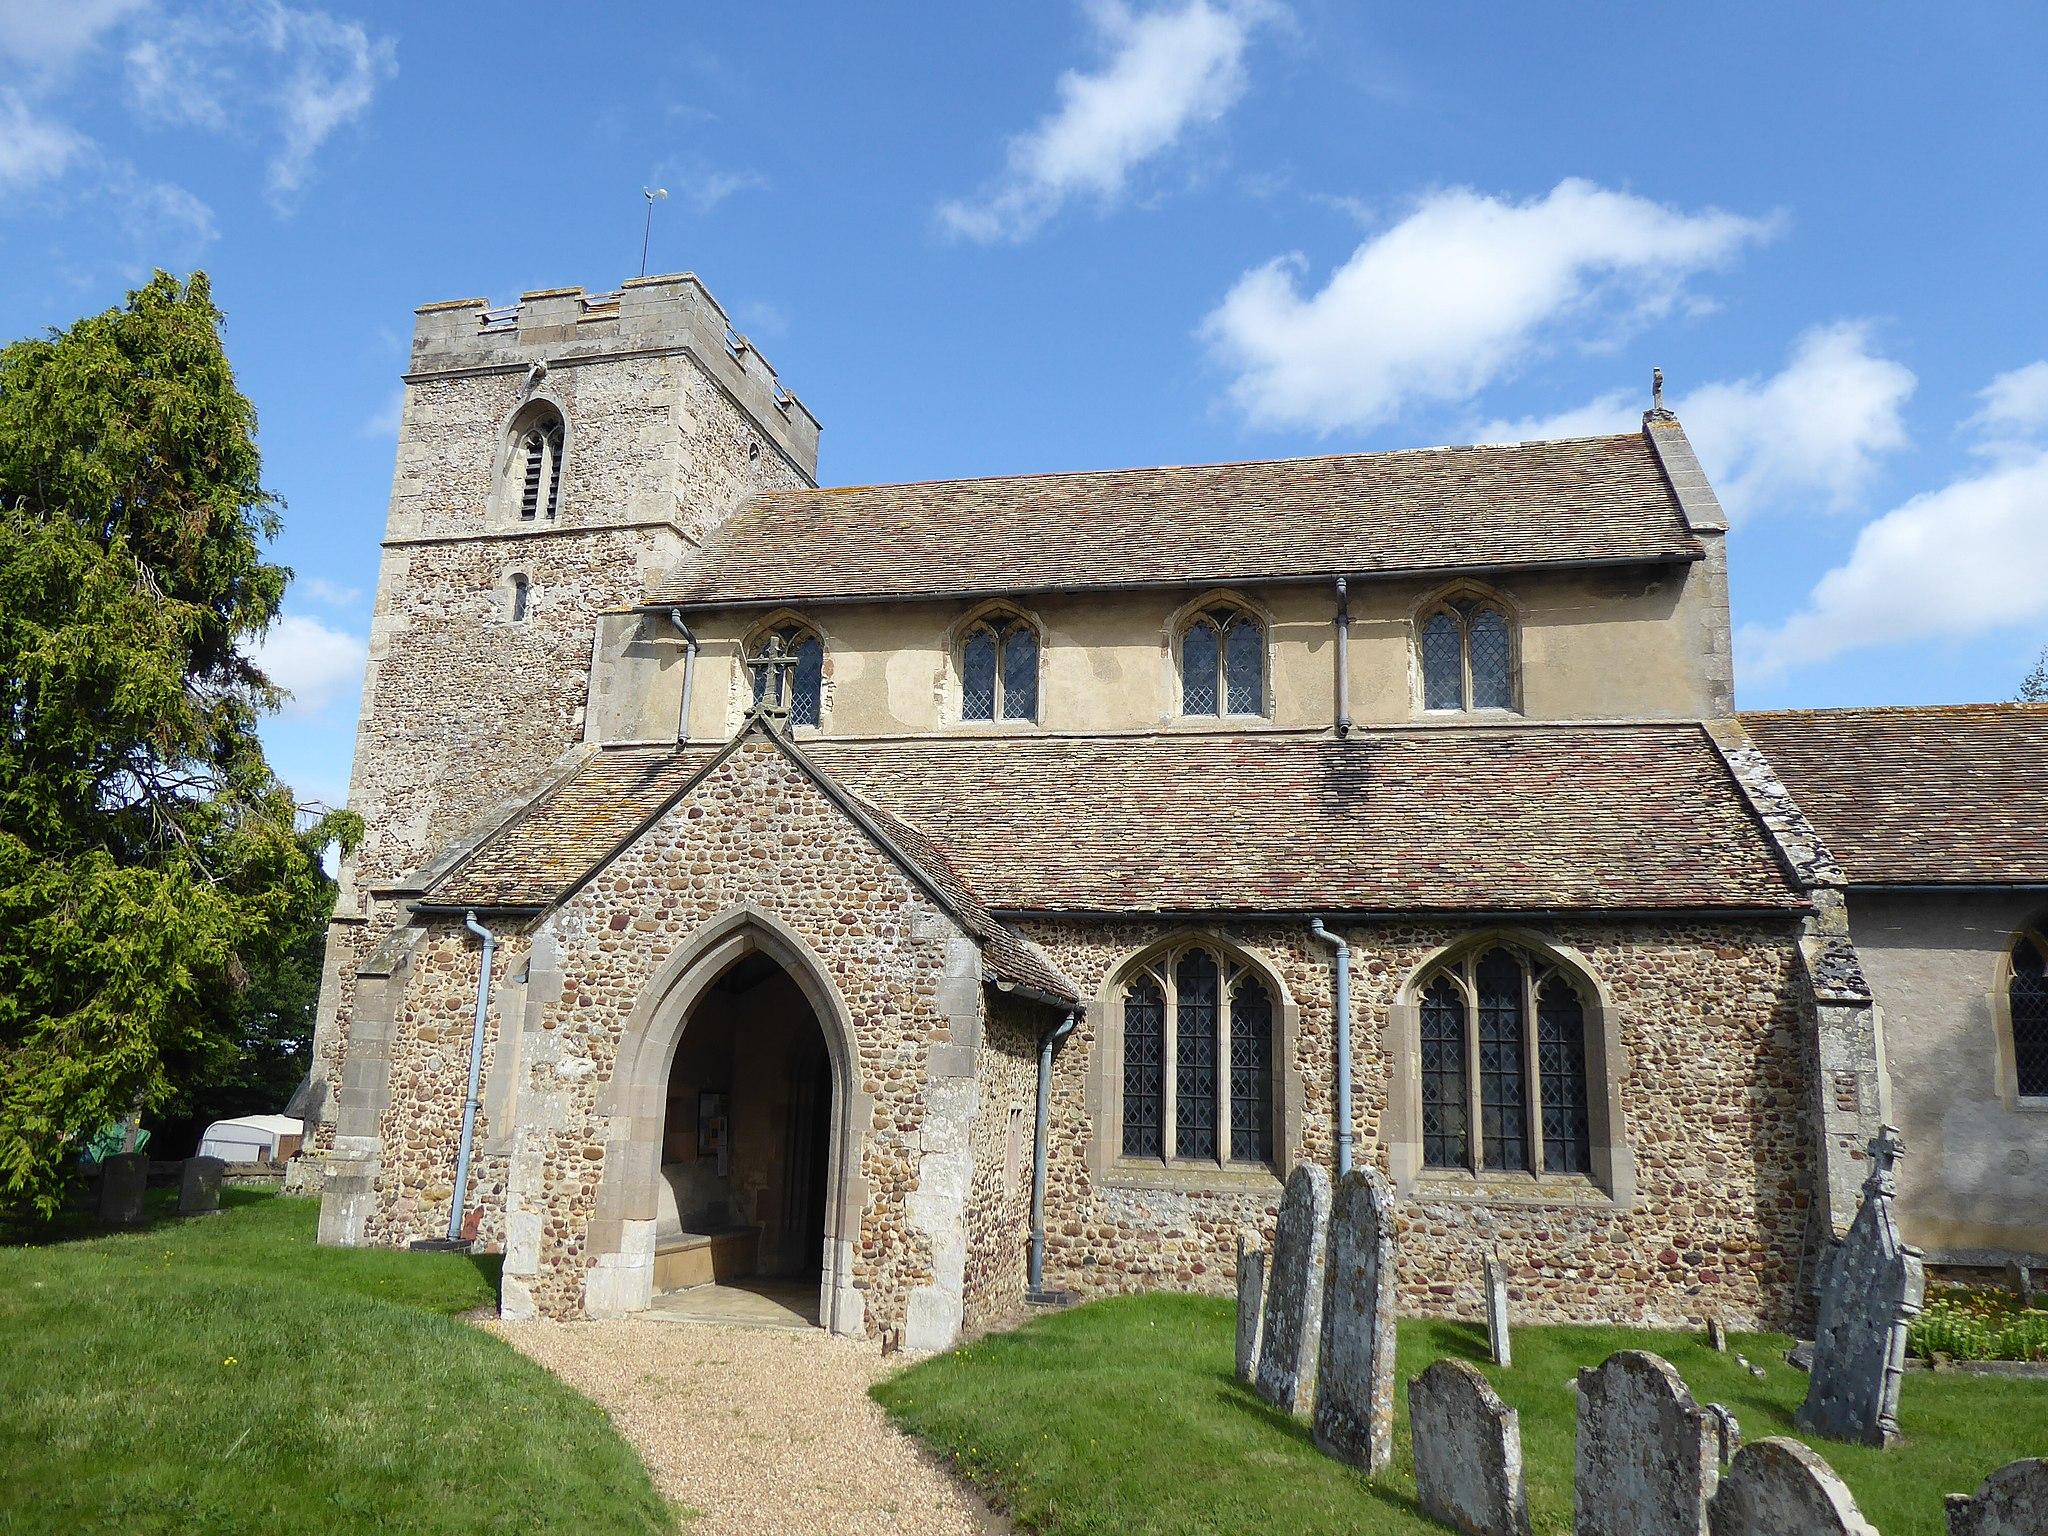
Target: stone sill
(1194,1178)
(1554,1190)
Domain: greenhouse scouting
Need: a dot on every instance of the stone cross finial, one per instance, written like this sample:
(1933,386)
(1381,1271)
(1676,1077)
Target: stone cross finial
(773,667)
(1885,1150)
(1657,411)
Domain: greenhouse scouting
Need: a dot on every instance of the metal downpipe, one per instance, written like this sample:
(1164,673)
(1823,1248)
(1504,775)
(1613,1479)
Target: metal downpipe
(1343,1039)
(1035,1282)
(1343,622)
(476,1068)
(675,617)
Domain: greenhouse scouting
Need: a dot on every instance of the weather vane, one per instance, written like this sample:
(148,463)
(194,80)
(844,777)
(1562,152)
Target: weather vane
(653,196)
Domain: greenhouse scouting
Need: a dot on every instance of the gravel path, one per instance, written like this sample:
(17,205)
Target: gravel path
(756,1430)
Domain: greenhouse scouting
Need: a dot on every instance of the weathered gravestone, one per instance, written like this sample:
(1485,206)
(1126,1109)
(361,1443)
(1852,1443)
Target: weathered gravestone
(123,1178)
(1647,1461)
(1778,1487)
(1355,1374)
(1292,1330)
(1251,1301)
(2013,1501)
(199,1185)
(1468,1452)
(1872,1288)
(1727,1433)
(1497,1312)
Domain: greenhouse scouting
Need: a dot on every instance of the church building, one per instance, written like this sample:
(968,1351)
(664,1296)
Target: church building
(942,896)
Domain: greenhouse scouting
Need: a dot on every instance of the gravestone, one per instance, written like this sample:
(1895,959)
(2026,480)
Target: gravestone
(1468,1452)
(199,1185)
(1291,1332)
(1717,1335)
(2013,1501)
(2020,1276)
(1873,1287)
(1497,1312)
(1727,1433)
(1355,1373)
(123,1178)
(1646,1462)
(1778,1487)
(1251,1301)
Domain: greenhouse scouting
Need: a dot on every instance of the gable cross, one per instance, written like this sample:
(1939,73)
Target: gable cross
(773,666)
(1885,1150)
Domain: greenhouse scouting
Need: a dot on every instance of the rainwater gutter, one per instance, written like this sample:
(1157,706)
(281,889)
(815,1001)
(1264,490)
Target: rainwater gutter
(1036,1283)
(675,617)
(1343,622)
(476,1067)
(1342,1032)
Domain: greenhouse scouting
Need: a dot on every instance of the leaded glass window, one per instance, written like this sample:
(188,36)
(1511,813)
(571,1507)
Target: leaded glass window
(2029,998)
(1194,1055)
(1251,1071)
(1444,1108)
(807,681)
(1144,1068)
(1503,1048)
(1199,1053)
(1223,664)
(999,671)
(1468,656)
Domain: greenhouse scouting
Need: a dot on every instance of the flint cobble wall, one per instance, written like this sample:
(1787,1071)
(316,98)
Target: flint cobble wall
(999,1201)
(1713,1071)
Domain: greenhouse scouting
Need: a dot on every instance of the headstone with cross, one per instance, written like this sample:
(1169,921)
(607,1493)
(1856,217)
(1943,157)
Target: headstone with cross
(1873,1287)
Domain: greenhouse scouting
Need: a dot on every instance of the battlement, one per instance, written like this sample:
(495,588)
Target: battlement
(567,327)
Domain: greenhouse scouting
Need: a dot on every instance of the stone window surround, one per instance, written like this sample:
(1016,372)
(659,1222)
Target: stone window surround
(742,699)
(1107,1165)
(1177,626)
(2001,1022)
(998,613)
(506,473)
(1613,1178)
(1465,590)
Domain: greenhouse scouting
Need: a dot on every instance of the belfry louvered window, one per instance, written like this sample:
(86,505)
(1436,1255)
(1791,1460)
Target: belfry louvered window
(999,670)
(806,680)
(1198,1054)
(538,463)
(2028,995)
(1468,655)
(1503,1050)
(1223,663)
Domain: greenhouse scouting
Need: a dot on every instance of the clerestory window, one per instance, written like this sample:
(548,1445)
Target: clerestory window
(999,670)
(1503,1064)
(1198,1061)
(1468,655)
(2027,994)
(1223,663)
(537,460)
(806,679)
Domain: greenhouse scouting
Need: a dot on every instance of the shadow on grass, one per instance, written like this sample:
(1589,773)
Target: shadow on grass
(1236,1395)
(78,1222)
(1465,1340)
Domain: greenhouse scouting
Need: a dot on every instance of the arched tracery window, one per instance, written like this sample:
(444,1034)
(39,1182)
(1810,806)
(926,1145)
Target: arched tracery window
(537,461)
(1223,663)
(1503,1066)
(2027,994)
(806,680)
(1468,654)
(1198,1060)
(999,669)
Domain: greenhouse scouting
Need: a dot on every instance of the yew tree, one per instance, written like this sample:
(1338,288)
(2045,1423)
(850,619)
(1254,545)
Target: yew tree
(150,861)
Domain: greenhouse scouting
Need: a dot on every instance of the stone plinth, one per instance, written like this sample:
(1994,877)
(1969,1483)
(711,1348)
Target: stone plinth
(1468,1452)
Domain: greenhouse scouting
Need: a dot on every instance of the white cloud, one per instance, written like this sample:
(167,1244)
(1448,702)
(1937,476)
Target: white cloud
(384,423)
(1959,561)
(332,71)
(1456,295)
(1815,428)
(48,34)
(172,78)
(328,594)
(2015,410)
(708,190)
(34,149)
(1169,70)
(312,662)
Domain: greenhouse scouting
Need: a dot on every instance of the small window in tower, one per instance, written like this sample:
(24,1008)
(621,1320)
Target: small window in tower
(538,463)
(521,593)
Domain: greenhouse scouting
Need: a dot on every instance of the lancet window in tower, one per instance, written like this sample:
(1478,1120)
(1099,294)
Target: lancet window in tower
(538,463)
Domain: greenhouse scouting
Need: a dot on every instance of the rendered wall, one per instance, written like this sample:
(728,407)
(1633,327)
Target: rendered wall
(1974,1181)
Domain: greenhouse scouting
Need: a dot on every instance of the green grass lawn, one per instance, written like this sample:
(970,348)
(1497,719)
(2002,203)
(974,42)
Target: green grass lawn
(1124,1417)
(223,1374)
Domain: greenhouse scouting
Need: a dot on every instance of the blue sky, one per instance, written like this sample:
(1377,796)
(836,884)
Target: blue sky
(980,239)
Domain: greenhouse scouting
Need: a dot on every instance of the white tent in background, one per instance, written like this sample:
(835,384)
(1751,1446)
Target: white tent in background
(252,1138)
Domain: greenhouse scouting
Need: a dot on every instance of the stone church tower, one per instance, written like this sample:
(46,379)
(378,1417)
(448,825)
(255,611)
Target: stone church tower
(553,456)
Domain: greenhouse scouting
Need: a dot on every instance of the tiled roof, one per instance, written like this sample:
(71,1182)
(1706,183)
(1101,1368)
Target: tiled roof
(1599,499)
(1954,794)
(536,858)
(1512,818)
